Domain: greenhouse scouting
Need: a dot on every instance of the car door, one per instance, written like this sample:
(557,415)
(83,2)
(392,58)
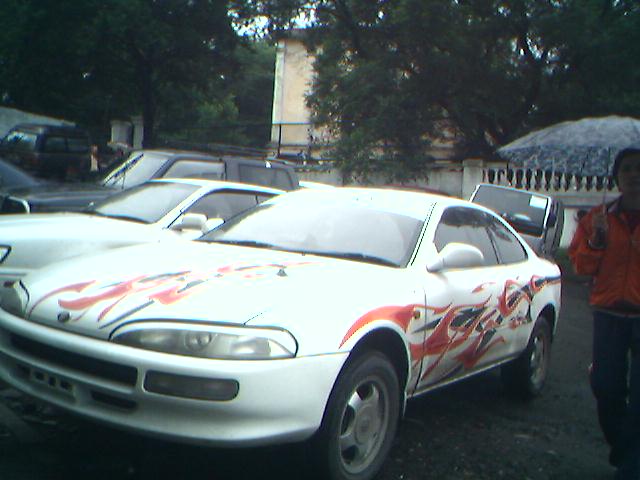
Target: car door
(465,306)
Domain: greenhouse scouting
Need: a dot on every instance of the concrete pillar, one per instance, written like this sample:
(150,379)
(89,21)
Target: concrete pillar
(472,169)
(120,131)
(138,131)
(278,93)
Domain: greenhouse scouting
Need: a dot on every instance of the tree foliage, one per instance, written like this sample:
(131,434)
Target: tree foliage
(390,72)
(99,59)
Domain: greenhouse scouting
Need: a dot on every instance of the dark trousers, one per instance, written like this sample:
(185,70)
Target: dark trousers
(615,380)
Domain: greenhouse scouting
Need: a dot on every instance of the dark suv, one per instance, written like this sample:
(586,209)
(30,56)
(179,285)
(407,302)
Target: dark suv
(143,165)
(48,151)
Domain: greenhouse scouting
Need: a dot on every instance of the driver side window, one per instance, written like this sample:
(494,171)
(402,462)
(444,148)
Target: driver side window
(466,225)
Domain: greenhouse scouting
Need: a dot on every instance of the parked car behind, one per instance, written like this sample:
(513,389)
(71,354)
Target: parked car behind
(21,192)
(153,211)
(537,217)
(12,176)
(313,316)
(48,151)
(143,165)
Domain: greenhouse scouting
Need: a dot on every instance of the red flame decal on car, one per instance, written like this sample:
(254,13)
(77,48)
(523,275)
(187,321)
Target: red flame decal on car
(166,288)
(454,325)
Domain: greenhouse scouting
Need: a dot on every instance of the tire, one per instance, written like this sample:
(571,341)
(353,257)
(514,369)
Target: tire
(360,420)
(526,375)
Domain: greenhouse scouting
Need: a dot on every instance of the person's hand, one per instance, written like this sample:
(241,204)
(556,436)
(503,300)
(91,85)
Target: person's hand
(599,228)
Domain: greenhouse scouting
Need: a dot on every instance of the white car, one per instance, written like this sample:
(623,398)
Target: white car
(156,210)
(315,315)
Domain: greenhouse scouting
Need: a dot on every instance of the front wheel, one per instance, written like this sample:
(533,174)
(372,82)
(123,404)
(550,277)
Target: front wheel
(526,375)
(360,420)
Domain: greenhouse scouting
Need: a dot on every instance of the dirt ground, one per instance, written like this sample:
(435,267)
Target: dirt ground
(471,430)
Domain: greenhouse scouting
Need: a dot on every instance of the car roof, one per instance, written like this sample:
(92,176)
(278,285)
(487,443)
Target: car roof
(404,202)
(171,152)
(46,128)
(204,183)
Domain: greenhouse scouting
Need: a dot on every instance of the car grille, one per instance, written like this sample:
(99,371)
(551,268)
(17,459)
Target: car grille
(112,371)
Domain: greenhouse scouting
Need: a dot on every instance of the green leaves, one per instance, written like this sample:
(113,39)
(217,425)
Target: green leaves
(395,77)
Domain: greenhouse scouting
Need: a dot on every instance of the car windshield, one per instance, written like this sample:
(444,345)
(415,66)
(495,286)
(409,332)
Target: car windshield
(314,225)
(138,168)
(146,203)
(523,210)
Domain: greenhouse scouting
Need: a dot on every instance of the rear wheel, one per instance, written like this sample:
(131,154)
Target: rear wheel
(526,376)
(360,420)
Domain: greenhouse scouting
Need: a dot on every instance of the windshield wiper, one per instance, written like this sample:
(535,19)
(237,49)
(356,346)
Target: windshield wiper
(123,170)
(245,243)
(360,257)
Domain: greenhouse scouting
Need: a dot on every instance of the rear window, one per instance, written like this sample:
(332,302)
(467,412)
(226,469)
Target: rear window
(22,141)
(196,169)
(525,211)
(271,177)
(78,144)
(54,145)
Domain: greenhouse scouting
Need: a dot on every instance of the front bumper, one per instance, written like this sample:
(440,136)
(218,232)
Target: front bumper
(278,400)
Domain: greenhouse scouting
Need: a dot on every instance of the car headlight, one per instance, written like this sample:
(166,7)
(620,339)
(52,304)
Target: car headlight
(208,341)
(4,252)
(14,297)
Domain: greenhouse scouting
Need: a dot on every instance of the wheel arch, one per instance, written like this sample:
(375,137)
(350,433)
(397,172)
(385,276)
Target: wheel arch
(390,344)
(549,314)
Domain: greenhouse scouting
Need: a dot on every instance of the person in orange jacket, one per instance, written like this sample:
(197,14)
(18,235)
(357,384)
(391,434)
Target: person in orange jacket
(606,246)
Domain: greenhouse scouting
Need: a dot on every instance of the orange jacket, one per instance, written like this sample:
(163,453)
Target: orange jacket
(616,268)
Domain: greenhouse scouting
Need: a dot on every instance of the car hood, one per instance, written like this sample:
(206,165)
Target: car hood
(61,195)
(38,239)
(193,281)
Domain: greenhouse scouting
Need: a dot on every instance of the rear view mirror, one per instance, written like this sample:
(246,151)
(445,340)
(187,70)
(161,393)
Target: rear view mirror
(456,255)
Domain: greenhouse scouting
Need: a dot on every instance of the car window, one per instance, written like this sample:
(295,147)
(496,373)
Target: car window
(224,204)
(54,145)
(146,203)
(138,168)
(20,141)
(259,175)
(77,144)
(525,211)
(187,168)
(510,250)
(466,225)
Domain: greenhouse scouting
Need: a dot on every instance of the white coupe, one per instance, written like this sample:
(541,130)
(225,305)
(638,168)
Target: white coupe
(313,316)
(156,210)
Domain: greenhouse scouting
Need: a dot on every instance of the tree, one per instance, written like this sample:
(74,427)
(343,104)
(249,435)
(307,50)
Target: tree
(40,69)
(97,59)
(164,51)
(390,72)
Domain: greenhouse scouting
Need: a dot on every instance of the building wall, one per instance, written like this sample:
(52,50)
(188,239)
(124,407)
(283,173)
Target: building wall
(293,79)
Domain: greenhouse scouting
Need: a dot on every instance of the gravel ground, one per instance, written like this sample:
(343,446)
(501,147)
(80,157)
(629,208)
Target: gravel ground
(471,430)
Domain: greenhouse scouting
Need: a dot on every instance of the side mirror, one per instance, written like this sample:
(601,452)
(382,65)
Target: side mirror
(190,221)
(456,255)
